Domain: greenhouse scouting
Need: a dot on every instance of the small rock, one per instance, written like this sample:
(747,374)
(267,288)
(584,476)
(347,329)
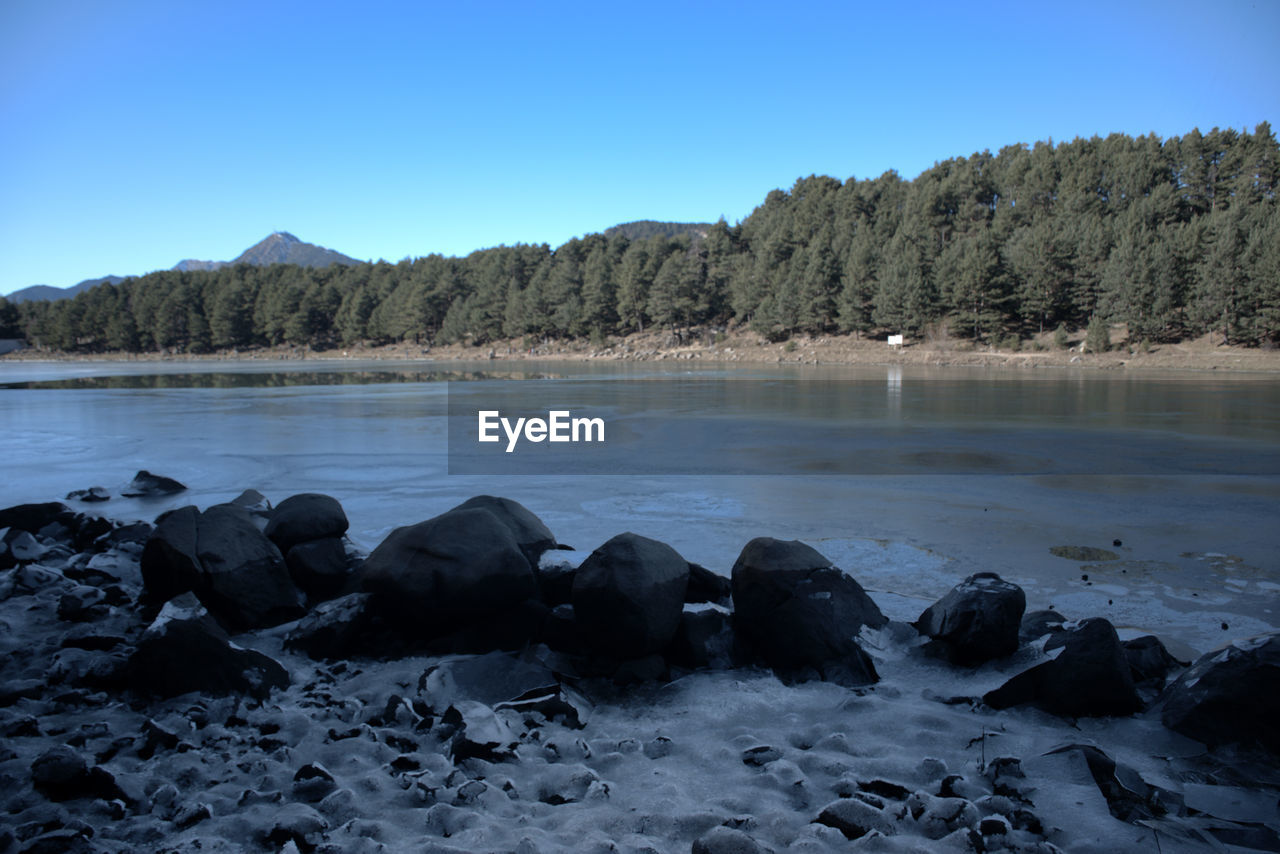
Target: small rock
(725,840)
(148,485)
(758,757)
(658,747)
(90,495)
(313,783)
(855,819)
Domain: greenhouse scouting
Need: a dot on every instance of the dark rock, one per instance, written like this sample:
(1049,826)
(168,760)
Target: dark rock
(560,631)
(64,840)
(1129,797)
(253,501)
(81,603)
(704,639)
(628,596)
(58,769)
(245,581)
(459,568)
(313,783)
(1089,677)
(170,559)
(321,568)
(186,650)
(1229,696)
(1037,624)
(11,691)
(726,840)
(296,823)
(555,703)
(61,774)
(855,818)
(155,738)
(90,529)
(90,641)
(758,757)
(1149,661)
(305,517)
(344,628)
(994,825)
(190,815)
(530,534)
(92,494)
(33,518)
(885,789)
(800,614)
(707,586)
(976,621)
(148,485)
(221,556)
(512,629)
(136,533)
(633,671)
(555,583)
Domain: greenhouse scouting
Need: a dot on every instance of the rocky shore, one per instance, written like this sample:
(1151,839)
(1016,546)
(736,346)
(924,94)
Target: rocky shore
(241,678)
(742,346)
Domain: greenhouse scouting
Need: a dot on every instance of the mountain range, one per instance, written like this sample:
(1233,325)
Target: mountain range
(282,247)
(278,248)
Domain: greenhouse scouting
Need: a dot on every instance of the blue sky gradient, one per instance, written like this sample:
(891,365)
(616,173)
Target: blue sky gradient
(135,134)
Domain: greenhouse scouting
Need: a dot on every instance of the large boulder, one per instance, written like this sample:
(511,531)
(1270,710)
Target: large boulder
(305,517)
(1150,662)
(976,621)
(800,614)
(322,569)
(437,576)
(531,535)
(1089,677)
(222,556)
(1231,695)
(170,558)
(33,517)
(185,650)
(628,596)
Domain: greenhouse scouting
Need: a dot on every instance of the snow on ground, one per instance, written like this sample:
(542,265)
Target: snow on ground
(655,768)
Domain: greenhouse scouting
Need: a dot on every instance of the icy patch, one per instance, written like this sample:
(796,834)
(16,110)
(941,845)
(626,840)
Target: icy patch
(666,505)
(891,567)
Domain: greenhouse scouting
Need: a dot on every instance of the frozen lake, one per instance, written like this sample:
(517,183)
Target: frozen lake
(979,469)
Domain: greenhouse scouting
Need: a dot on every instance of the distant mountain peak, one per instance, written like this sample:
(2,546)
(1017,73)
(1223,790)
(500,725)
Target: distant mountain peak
(278,247)
(281,247)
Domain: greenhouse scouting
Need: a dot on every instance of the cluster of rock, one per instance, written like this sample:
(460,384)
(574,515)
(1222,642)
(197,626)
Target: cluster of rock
(475,579)
(478,579)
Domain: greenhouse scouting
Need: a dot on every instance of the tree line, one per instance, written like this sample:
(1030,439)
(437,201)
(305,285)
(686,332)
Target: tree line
(1175,237)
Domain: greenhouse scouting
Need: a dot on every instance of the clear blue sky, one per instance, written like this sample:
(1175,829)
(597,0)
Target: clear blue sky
(135,134)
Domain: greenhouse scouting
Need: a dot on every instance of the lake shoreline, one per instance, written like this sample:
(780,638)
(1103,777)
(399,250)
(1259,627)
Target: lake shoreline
(747,348)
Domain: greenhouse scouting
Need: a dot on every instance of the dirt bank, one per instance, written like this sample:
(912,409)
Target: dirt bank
(751,348)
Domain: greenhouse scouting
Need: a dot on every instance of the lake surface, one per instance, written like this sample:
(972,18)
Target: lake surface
(908,478)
